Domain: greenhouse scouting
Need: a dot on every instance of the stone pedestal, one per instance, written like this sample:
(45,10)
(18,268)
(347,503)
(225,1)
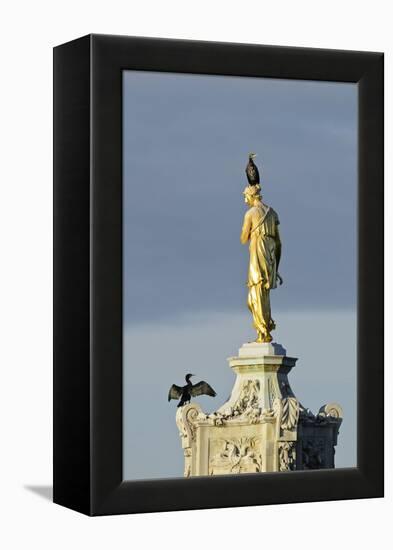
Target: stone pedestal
(262,427)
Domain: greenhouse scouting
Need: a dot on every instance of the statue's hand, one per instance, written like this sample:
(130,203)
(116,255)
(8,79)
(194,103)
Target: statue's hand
(280,279)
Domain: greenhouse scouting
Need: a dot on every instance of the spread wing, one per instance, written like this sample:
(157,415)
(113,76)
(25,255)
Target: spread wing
(174,392)
(202,388)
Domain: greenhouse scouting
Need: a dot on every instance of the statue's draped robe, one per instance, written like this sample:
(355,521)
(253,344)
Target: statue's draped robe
(261,229)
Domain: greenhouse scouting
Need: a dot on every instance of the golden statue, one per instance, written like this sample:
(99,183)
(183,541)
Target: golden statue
(260,227)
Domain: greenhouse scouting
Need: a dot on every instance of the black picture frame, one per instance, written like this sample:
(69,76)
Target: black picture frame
(88,274)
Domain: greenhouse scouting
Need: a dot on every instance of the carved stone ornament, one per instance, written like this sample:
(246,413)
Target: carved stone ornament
(248,398)
(290,413)
(235,456)
(286,455)
(245,407)
(185,419)
(313,454)
(261,427)
(287,409)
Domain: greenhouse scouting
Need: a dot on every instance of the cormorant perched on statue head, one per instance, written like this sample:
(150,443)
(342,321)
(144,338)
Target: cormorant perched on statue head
(189,390)
(252,170)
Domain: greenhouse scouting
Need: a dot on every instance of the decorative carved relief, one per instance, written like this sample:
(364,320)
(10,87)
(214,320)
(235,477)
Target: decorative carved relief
(248,398)
(271,392)
(235,456)
(235,448)
(190,418)
(187,461)
(287,410)
(290,413)
(286,456)
(313,454)
(332,410)
(185,418)
(328,414)
(245,407)
(306,414)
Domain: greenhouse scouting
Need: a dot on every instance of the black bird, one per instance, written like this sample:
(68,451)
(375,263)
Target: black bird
(252,170)
(189,390)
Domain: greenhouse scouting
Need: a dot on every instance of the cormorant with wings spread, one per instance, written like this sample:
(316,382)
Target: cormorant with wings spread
(189,390)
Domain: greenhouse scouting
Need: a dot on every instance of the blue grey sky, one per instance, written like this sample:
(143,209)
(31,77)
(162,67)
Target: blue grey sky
(186,141)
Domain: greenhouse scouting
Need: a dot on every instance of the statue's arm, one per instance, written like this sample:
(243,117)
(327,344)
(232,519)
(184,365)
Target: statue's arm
(245,234)
(278,246)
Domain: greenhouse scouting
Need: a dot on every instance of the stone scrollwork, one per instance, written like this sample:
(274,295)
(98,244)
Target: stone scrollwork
(185,419)
(235,456)
(332,410)
(191,415)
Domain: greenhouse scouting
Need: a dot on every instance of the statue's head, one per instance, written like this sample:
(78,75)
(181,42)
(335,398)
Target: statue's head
(252,156)
(252,193)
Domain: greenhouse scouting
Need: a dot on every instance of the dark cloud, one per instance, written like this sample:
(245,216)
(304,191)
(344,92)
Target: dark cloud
(186,139)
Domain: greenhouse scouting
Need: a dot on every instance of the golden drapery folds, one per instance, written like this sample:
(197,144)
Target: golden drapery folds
(260,228)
